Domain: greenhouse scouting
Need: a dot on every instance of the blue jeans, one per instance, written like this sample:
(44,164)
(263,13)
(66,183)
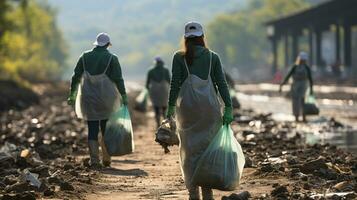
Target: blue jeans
(93,129)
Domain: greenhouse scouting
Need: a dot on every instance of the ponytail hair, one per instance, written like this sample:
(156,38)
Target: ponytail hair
(189,44)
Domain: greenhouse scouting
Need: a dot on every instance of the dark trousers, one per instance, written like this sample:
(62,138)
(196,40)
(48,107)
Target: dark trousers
(159,111)
(93,129)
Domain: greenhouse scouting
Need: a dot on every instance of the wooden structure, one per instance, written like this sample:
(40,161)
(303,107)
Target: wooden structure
(339,14)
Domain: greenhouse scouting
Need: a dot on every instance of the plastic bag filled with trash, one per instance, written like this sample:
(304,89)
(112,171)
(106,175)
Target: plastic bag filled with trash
(310,107)
(118,137)
(221,165)
(235,101)
(166,134)
(141,101)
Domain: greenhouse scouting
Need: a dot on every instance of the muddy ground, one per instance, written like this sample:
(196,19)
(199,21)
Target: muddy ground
(279,165)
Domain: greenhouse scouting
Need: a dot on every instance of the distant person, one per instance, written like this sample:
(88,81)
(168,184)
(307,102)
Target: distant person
(232,91)
(301,74)
(278,77)
(231,83)
(158,83)
(336,70)
(98,74)
(196,72)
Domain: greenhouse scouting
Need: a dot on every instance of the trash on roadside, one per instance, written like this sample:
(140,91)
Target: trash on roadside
(32,178)
(166,134)
(310,107)
(235,101)
(118,137)
(25,154)
(221,165)
(141,101)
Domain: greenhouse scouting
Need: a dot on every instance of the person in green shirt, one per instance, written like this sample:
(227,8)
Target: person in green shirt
(197,77)
(301,74)
(95,87)
(157,83)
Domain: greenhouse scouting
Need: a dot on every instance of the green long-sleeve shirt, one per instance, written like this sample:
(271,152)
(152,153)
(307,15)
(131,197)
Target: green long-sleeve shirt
(158,73)
(96,60)
(200,68)
(292,71)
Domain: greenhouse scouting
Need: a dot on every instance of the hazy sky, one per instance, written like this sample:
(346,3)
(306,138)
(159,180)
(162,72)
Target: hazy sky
(139,29)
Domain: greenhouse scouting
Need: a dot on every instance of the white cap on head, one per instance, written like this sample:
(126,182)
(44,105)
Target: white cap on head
(193,29)
(303,55)
(102,39)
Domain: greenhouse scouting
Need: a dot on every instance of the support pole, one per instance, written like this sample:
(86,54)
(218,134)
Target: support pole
(295,45)
(338,45)
(319,61)
(286,49)
(347,45)
(311,46)
(274,41)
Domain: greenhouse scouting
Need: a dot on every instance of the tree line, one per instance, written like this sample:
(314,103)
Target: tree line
(32,48)
(241,37)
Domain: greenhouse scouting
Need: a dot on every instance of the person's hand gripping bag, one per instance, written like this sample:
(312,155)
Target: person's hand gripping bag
(118,137)
(221,165)
(310,106)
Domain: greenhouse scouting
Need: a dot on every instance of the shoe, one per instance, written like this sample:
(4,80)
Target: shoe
(207,194)
(241,196)
(106,160)
(194,193)
(94,153)
(106,163)
(96,167)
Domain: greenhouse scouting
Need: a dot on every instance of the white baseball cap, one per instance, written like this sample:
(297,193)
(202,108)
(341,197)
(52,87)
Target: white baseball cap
(102,39)
(303,55)
(193,29)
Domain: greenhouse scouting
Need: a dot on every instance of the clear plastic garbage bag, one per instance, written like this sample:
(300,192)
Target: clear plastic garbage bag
(235,101)
(141,101)
(310,106)
(118,137)
(222,163)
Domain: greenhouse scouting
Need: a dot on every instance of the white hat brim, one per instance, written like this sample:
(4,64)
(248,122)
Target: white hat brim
(197,33)
(99,44)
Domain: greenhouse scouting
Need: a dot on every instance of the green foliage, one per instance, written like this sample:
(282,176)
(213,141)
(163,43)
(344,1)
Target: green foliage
(139,30)
(240,37)
(33,48)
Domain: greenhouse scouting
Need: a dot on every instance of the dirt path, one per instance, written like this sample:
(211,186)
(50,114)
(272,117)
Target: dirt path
(145,174)
(274,157)
(150,174)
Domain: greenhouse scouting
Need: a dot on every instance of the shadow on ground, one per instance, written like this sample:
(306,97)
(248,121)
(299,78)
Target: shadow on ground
(126,172)
(125,161)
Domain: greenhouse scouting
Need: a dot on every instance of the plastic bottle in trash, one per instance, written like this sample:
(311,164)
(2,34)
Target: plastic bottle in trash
(32,178)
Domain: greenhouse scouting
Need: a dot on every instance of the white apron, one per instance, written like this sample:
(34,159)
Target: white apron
(159,93)
(97,96)
(199,120)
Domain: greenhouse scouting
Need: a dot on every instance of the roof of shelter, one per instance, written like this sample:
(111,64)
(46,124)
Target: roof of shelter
(328,12)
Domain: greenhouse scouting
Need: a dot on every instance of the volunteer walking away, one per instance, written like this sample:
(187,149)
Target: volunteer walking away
(301,75)
(196,75)
(98,74)
(157,83)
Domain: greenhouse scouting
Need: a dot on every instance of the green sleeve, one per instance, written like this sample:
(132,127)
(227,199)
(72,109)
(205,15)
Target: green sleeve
(219,80)
(115,74)
(176,80)
(77,75)
(148,78)
(288,75)
(167,76)
(309,76)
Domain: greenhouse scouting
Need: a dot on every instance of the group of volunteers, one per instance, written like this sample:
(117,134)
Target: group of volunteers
(190,95)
